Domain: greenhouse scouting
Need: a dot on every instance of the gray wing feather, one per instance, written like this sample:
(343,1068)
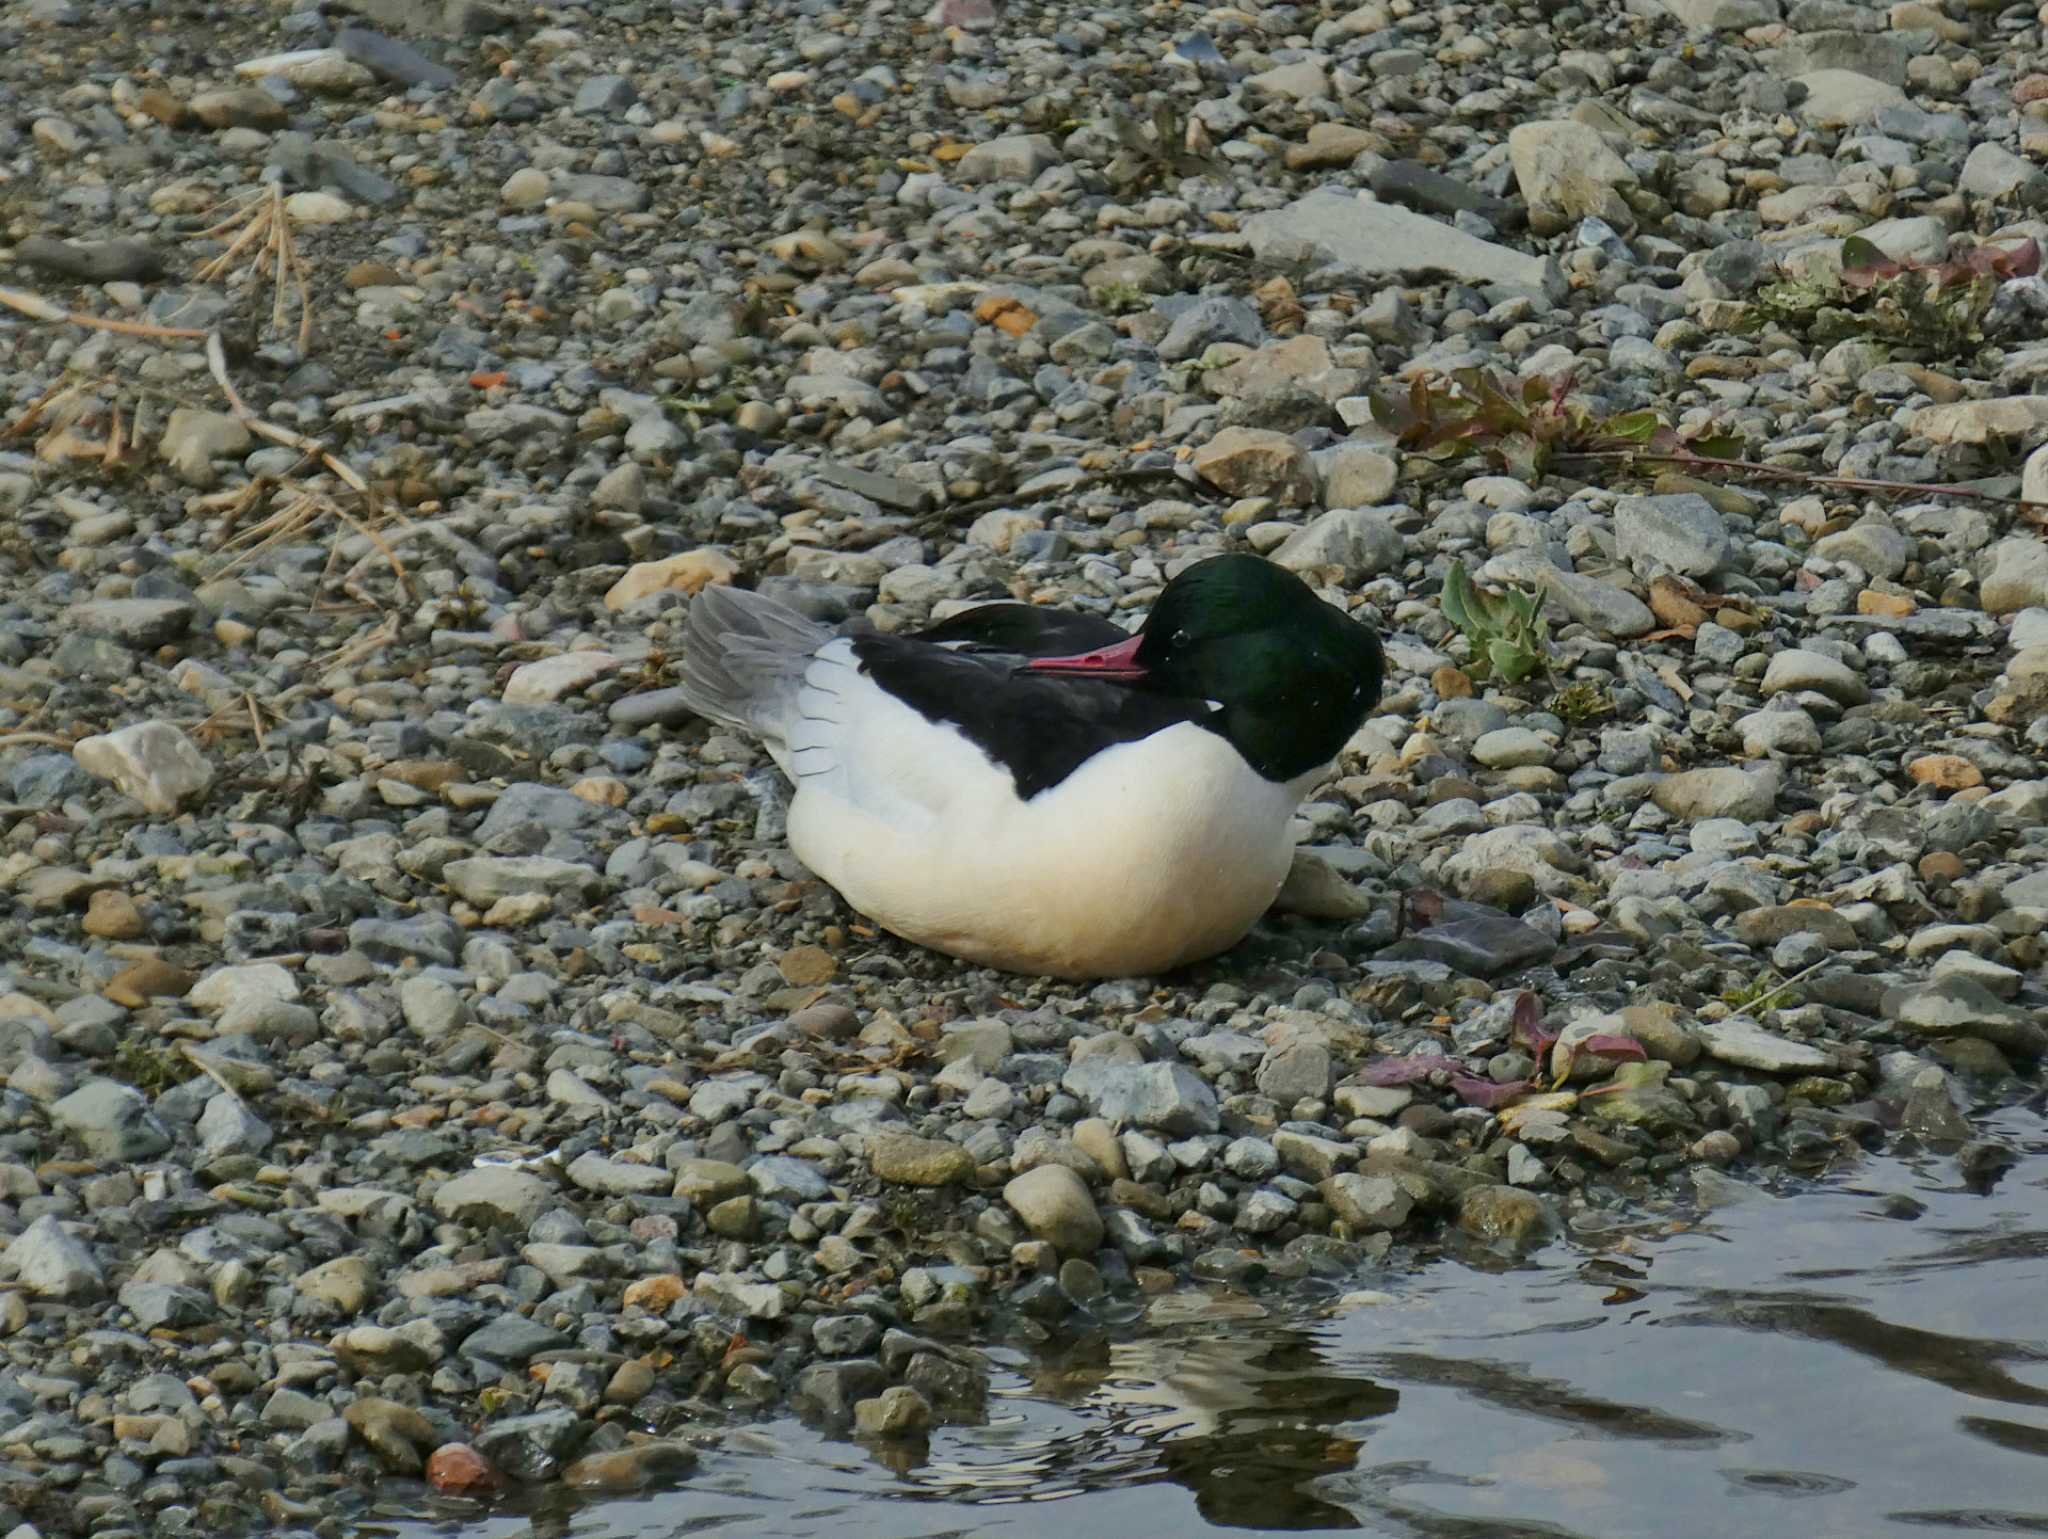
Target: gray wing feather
(744,657)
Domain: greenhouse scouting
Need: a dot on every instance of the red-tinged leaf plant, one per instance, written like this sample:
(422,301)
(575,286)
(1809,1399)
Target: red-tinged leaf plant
(1912,308)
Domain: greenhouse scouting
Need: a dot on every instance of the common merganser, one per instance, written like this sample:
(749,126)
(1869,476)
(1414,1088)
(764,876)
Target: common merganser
(1035,789)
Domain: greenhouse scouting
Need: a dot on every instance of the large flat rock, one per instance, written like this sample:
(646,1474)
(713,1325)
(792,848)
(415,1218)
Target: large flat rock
(1380,239)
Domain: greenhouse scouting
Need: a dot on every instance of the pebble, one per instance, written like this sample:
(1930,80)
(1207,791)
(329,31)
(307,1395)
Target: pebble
(382,817)
(1055,1205)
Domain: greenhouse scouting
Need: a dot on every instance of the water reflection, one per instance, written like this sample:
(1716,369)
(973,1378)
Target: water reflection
(1244,1421)
(1860,1359)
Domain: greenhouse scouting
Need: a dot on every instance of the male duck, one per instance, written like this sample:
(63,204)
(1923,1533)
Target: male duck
(1036,790)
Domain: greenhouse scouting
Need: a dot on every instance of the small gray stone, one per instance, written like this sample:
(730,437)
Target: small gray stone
(1742,1042)
(1962,1007)
(1055,1206)
(1871,544)
(1748,795)
(1299,1071)
(50,1262)
(135,622)
(1568,172)
(152,761)
(158,1305)
(604,96)
(1513,747)
(494,1195)
(512,1339)
(433,1007)
(1507,1214)
(1014,158)
(1170,1097)
(1995,173)
(618,1178)
(534,1447)
(1791,733)
(1680,532)
(2014,576)
(1208,321)
(1796,670)
(110,1121)
(1368,1204)
(228,1126)
(1355,543)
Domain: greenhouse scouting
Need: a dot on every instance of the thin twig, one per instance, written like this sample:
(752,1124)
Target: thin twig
(49,739)
(42,405)
(192,1057)
(2036,510)
(39,308)
(217,365)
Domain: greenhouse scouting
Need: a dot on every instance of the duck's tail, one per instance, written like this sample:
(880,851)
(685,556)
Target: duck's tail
(744,657)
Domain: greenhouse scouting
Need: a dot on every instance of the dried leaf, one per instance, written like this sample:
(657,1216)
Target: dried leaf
(1529,1028)
(1612,1046)
(1388,1072)
(1865,264)
(1633,426)
(1474,1091)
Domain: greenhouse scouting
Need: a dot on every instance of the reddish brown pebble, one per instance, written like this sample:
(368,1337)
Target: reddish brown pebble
(456,1469)
(1945,772)
(1890,605)
(112,915)
(1939,868)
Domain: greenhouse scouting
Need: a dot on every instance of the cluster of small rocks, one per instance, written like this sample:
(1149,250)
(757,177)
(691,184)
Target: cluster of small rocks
(423,1059)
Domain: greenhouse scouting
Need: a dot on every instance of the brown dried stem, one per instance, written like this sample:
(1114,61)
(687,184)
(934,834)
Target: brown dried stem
(2036,512)
(260,247)
(41,309)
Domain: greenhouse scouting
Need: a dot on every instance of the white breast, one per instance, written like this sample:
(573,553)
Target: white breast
(1151,854)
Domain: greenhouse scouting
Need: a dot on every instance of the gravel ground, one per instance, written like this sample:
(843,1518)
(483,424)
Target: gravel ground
(424,1061)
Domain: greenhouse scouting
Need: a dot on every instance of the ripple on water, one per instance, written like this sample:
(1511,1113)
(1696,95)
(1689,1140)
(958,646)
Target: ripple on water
(1877,1339)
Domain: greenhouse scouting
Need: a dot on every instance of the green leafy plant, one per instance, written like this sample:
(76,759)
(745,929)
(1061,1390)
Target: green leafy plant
(1507,632)
(1523,426)
(1935,308)
(1581,703)
(1520,425)
(1121,298)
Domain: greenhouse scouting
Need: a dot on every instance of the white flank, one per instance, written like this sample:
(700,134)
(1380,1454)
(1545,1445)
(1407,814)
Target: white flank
(1151,854)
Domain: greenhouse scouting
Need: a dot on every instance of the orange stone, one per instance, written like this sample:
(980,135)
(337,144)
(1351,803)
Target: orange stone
(1939,868)
(1451,683)
(1890,605)
(807,966)
(1676,603)
(112,915)
(655,1294)
(459,1470)
(1006,315)
(151,978)
(1945,772)
(601,790)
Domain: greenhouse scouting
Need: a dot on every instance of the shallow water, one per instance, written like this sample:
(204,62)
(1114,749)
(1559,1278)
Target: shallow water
(1858,1356)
